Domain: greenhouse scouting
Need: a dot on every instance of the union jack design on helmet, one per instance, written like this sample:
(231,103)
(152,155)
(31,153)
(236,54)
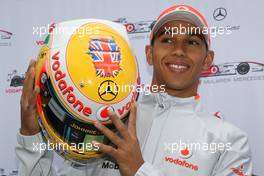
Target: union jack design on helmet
(106,56)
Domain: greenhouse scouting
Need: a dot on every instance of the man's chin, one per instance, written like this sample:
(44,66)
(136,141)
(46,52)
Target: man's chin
(176,87)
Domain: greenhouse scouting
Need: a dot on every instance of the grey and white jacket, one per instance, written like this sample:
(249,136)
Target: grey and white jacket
(176,138)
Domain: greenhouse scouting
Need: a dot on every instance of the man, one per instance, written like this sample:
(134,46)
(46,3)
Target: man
(168,134)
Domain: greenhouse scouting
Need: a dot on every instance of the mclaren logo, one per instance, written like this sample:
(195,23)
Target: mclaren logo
(220,14)
(239,171)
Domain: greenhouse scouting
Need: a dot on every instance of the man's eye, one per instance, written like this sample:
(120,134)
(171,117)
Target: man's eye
(193,42)
(166,40)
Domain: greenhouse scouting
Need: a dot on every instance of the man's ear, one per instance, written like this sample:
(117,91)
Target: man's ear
(148,51)
(208,60)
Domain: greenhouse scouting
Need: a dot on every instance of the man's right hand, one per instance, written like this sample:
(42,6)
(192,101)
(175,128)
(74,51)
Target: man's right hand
(29,122)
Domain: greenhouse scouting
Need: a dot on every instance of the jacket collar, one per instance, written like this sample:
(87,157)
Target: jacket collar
(165,101)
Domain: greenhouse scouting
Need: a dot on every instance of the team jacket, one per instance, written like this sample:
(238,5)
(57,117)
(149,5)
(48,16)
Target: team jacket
(176,138)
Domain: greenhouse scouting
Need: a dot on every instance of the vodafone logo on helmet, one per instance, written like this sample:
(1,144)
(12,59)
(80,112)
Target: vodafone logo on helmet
(67,92)
(102,113)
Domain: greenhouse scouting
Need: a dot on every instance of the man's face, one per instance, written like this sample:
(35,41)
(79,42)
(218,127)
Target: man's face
(179,59)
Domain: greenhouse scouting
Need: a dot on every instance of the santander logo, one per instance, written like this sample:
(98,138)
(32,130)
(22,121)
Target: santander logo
(184,154)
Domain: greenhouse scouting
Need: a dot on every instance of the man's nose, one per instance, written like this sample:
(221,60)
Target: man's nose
(178,49)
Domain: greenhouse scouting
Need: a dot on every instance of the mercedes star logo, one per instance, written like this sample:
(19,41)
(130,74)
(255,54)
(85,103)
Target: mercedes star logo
(108,90)
(220,14)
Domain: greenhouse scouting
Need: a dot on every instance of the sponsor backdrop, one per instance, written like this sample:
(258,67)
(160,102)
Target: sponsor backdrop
(232,88)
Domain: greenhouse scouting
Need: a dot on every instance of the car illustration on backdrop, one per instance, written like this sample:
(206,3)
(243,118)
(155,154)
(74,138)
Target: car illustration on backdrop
(137,27)
(15,79)
(5,34)
(233,68)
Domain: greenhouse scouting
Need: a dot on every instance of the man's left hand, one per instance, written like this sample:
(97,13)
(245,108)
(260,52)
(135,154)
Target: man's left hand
(127,152)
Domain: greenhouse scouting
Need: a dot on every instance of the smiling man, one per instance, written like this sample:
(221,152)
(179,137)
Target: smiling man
(178,58)
(168,134)
(175,135)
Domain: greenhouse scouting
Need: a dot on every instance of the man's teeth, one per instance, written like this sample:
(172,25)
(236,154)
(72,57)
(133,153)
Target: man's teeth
(178,66)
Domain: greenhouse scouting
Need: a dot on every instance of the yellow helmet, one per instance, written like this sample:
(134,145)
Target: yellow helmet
(84,68)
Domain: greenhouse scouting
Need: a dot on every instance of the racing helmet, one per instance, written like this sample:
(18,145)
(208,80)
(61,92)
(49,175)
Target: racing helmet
(84,68)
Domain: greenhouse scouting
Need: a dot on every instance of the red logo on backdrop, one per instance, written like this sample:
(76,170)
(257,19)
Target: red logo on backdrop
(217,114)
(233,68)
(136,27)
(51,27)
(40,42)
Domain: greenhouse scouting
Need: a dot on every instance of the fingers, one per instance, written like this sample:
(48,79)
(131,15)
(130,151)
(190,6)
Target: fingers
(26,92)
(33,99)
(106,149)
(30,63)
(109,134)
(120,126)
(132,120)
(29,122)
(29,79)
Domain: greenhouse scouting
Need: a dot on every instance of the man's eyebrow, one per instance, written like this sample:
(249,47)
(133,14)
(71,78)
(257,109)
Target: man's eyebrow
(195,34)
(161,33)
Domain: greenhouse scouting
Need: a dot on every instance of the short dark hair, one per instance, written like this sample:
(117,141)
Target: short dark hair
(154,37)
